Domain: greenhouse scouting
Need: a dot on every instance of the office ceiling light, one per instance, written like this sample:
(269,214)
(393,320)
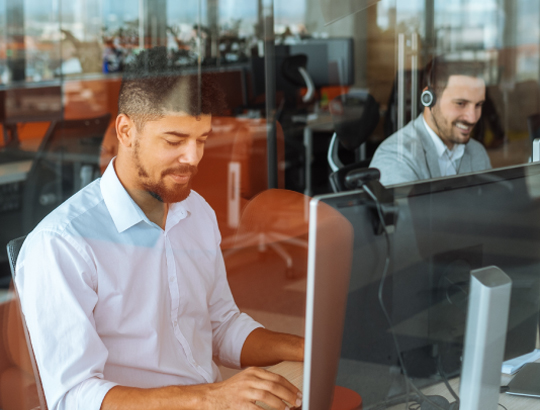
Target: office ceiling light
(333,10)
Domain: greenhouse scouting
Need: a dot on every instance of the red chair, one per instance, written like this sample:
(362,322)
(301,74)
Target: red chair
(21,383)
(346,399)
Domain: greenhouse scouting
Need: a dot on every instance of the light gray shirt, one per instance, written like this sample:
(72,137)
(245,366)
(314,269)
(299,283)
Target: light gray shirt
(410,155)
(449,159)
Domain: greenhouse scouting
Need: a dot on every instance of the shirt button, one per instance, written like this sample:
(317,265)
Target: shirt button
(171,279)
(175,323)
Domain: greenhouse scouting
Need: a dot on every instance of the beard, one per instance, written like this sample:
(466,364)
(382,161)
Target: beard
(447,128)
(158,189)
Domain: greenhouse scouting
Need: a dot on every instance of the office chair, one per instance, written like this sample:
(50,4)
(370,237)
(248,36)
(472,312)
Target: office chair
(294,70)
(17,321)
(355,116)
(66,161)
(411,109)
(271,219)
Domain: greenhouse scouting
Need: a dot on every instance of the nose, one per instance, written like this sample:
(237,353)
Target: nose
(473,113)
(190,154)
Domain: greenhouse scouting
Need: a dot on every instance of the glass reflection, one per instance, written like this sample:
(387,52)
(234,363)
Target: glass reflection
(311,92)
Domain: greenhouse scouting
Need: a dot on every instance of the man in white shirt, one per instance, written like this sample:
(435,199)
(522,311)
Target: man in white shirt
(123,286)
(438,143)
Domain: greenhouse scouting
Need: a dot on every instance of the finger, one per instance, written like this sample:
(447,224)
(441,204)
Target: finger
(264,396)
(276,378)
(280,386)
(250,406)
(294,398)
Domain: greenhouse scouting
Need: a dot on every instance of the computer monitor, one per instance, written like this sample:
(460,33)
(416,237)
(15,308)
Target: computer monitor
(445,228)
(330,62)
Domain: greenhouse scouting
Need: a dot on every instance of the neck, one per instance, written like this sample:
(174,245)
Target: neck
(432,122)
(155,210)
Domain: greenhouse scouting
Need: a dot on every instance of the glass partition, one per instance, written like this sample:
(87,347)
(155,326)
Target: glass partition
(401,286)
(312,90)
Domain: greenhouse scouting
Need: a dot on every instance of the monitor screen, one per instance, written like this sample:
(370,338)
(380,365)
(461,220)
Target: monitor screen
(330,61)
(445,228)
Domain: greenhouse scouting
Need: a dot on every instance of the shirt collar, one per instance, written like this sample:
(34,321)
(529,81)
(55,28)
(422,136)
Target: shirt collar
(455,153)
(123,209)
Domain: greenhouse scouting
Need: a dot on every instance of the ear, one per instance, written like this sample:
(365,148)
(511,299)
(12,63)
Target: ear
(125,130)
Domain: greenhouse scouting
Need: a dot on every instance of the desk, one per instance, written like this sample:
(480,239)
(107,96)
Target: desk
(293,371)
(14,171)
(511,402)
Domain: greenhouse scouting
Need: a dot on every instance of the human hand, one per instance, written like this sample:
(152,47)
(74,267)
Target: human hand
(243,390)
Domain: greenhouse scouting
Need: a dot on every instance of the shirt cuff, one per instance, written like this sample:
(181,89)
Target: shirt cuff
(240,330)
(88,395)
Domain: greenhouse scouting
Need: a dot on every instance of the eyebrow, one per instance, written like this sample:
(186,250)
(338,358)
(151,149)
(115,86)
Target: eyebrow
(468,101)
(182,135)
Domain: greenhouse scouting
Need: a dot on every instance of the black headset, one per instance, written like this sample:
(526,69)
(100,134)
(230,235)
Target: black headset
(428,97)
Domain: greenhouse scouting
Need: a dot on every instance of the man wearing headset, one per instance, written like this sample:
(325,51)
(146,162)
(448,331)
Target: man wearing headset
(438,143)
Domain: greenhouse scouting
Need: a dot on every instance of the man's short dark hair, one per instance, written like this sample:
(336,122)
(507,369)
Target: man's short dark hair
(153,85)
(439,70)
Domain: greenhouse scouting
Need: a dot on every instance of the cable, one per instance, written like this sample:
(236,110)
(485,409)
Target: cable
(445,379)
(413,399)
(408,383)
(502,406)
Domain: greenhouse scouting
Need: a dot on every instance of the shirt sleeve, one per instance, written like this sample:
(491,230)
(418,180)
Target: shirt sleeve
(230,328)
(57,286)
(396,167)
(487,159)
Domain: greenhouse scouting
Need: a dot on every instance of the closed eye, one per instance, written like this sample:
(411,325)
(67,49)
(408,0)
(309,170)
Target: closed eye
(174,143)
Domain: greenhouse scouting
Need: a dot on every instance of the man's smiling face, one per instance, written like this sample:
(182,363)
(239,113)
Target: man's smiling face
(458,109)
(166,153)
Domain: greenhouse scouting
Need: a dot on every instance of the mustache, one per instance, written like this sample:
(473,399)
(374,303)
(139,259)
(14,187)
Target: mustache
(182,169)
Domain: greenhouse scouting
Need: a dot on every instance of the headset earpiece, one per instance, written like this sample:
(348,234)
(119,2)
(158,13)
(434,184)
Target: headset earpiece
(428,98)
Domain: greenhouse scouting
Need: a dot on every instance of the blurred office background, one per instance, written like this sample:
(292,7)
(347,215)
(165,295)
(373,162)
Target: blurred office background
(61,65)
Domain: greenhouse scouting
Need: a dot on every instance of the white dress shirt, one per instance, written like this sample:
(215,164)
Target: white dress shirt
(111,298)
(449,159)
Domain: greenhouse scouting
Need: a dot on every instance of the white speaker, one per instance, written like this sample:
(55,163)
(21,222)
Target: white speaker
(536,150)
(485,337)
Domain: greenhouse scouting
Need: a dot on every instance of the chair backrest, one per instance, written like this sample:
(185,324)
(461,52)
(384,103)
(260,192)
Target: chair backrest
(337,178)
(391,116)
(355,116)
(13,249)
(67,160)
